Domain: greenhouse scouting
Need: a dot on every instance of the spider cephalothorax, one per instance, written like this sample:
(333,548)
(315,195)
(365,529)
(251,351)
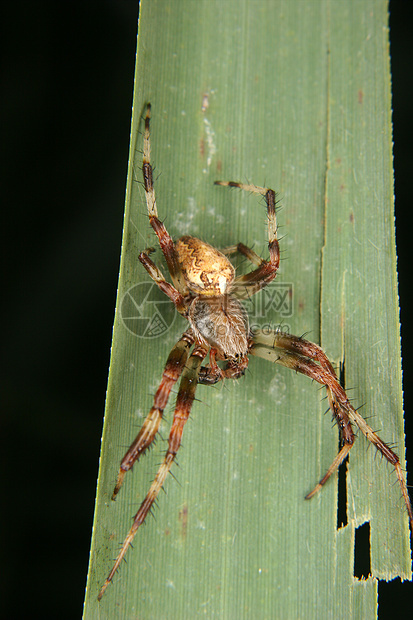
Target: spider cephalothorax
(207,292)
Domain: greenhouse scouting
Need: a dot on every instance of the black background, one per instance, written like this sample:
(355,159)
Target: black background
(67,78)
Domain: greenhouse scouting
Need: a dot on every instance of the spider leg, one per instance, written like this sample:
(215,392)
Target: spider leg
(295,344)
(165,240)
(339,403)
(308,359)
(252,256)
(388,454)
(174,295)
(345,449)
(267,269)
(173,370)
(212,374)
(183,406)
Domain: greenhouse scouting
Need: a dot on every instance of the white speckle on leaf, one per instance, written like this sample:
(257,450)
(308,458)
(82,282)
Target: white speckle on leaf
(184,219)
(210,141)
(278,389)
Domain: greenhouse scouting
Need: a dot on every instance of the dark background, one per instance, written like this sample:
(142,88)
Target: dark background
(67,78)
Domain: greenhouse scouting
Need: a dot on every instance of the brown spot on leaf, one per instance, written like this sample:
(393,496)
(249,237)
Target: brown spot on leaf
(205,102)
(183,517)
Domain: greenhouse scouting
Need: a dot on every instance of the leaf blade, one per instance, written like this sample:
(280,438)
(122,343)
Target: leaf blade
(252,450)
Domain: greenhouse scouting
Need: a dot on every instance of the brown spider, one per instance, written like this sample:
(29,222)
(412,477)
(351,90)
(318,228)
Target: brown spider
(206,291)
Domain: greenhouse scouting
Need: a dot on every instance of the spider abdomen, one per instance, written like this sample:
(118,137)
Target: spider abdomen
(222,322)
(206,270)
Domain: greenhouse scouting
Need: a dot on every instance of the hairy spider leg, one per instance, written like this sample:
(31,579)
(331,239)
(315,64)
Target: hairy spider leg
(294,344)
(165,240)
(212,374)
(388,454)
(342,417)
(305,348)
(172,371)
(299,355)
(174,295)
(185,398)
(252,256)
(266,270)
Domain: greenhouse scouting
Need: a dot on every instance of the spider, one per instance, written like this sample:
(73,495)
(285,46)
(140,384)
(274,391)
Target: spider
(207,292)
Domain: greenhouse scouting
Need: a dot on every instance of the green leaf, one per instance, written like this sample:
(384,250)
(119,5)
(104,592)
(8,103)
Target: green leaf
(296,96)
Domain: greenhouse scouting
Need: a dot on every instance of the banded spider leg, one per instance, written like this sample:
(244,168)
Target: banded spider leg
(179,363)
(309,359)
